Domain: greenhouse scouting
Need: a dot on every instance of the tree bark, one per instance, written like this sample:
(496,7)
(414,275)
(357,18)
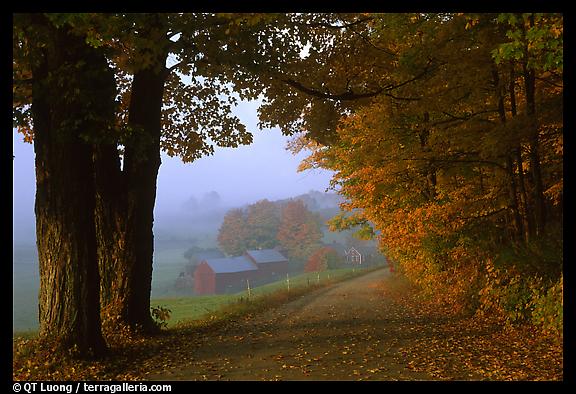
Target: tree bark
(126,209)
(73,89)
(527,221)
(111,236)
(142,161)
(534,155)
(518,230)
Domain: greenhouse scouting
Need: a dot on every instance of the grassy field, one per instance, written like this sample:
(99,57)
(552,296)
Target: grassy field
(168,264)
(169,261)
(185,309)
(190,308)
(25,280)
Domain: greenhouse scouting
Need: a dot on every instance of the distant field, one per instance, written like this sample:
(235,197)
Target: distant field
(168,264)
(26,282)
(199,229)
(169,261)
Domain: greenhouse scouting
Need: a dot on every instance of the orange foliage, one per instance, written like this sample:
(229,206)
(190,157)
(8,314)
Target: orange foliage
(432,173)
(318,261)
(299,232)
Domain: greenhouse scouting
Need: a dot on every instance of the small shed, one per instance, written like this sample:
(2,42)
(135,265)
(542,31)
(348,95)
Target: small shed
(353,256)
(272,265)
(223,275)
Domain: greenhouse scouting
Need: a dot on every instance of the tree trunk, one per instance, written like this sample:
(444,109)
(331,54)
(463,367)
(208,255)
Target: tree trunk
(527,221)
(430,169)
(111,236)
(64,125)
(513,193)
(142,161)
(527,215)
(518,230)
(534,155)
(126,207)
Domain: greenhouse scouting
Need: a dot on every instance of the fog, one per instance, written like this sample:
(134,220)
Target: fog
(231,177)
(191,202)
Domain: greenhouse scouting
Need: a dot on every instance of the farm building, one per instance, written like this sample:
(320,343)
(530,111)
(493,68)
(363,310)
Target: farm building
(370,255)
(353,256)
(272,265)
(223,275)
(186,278)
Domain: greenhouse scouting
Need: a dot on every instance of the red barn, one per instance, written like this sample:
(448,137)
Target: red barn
(224,275)
(272,265)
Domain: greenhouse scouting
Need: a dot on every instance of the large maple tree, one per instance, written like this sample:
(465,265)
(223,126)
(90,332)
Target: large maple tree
(177,78)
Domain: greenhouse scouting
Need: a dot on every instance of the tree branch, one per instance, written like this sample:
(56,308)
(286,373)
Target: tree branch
(350,95)
(346,96)
(454,118)
(329,26)
(403,98)
(485,215)
(367,40)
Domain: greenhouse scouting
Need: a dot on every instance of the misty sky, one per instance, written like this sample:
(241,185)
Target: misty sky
(264,169)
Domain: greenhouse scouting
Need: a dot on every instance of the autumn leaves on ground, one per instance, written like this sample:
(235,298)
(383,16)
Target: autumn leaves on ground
(373,327)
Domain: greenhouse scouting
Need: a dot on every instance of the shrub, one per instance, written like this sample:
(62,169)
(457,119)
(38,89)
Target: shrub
(516,299)
(161,315)
(547,312)
(524,298)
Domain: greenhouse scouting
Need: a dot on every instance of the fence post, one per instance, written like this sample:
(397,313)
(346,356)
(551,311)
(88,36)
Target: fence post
(288,281)
(318,277)
(248,286)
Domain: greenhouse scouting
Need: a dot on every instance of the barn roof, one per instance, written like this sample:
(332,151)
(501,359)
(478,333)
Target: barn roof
(263,256)
(208,254)
(231,264)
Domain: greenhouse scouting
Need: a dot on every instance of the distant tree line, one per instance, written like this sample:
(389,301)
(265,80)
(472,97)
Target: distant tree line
(289,226)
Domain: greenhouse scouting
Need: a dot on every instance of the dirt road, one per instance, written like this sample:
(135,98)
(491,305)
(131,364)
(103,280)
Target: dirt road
(358,330)
(372,327)
(339,333)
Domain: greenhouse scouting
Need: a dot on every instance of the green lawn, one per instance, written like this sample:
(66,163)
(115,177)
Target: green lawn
(200,307)
(191,308)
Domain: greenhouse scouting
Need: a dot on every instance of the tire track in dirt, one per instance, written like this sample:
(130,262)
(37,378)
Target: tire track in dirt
(343,332)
